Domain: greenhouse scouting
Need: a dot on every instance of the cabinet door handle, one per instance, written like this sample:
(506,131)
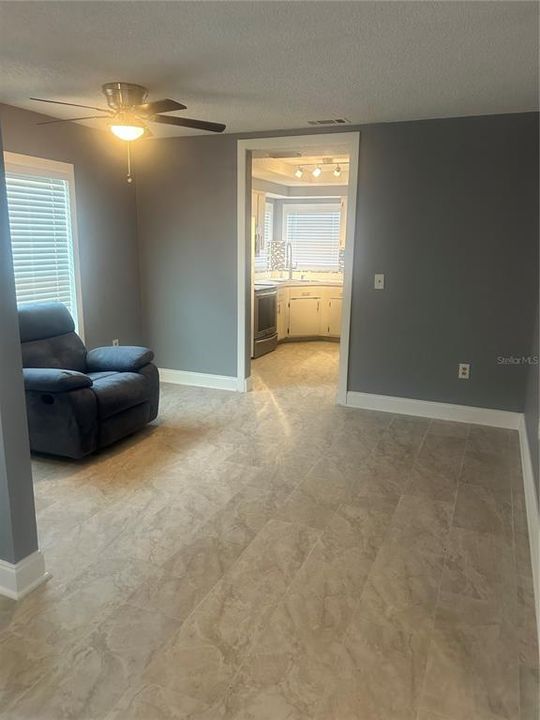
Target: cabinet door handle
(317,306)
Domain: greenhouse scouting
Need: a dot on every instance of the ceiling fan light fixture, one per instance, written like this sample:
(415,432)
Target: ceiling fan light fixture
(316,171)
(127,132)
(299,172)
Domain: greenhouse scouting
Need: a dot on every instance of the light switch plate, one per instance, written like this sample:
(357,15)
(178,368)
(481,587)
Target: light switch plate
(378,281)
(464,371)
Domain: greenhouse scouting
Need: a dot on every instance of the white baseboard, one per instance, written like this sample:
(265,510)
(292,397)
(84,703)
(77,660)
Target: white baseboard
(17,580)
(244,385)
(533,519)
(184,377)
(435,410)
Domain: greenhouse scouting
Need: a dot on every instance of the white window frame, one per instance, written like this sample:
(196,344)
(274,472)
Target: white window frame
(291,207)
(29,165)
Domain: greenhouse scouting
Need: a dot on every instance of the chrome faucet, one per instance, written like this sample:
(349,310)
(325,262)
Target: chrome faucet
(289,259)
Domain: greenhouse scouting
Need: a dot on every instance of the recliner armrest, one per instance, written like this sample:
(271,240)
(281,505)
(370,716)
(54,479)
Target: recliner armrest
(52,380)
(125,358)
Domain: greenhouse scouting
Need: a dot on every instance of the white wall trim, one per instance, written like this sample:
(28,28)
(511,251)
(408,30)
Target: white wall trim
(19,579)
(351,140)
(206,380)
(533,518)
(244,385)
(435,410)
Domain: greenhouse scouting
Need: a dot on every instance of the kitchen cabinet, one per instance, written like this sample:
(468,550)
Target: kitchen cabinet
(282,312)
(304,316)
(309,311)
(334,316)
(258,205)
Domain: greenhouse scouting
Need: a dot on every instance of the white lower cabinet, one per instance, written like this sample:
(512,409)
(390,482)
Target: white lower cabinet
(282,313)
(304,318)
(309,311)
(334,317)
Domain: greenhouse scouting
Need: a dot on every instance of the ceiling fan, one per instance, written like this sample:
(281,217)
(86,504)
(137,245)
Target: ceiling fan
(129,113)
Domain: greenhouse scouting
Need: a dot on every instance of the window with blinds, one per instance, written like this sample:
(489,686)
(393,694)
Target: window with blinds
(262,260)
(313,231)
(39,211)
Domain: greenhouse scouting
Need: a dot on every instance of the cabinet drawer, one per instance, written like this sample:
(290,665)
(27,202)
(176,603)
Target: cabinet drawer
(335,292)
(299,293)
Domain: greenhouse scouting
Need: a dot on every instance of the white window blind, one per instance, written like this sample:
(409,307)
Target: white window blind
(313,231)
(262,260)
(41,238)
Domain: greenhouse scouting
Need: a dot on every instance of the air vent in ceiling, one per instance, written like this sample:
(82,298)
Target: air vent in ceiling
(333,121)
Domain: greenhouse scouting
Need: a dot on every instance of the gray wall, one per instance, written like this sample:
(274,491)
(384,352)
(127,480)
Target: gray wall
(447,209)
(186,204)
(106,217)
(18,534)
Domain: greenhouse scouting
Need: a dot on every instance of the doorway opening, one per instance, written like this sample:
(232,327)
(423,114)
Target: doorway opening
(296,222)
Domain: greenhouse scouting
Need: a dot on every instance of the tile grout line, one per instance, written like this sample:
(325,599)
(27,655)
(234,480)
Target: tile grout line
(436,606)
(361,593)
(258,631)
(237,560)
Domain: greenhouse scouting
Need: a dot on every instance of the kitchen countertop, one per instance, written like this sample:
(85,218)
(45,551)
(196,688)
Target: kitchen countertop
(296,283)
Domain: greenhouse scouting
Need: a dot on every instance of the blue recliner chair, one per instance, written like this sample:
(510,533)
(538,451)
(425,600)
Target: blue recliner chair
(78,401)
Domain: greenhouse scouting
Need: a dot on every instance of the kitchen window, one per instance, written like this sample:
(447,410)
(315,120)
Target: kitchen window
(314,234)
(41,208)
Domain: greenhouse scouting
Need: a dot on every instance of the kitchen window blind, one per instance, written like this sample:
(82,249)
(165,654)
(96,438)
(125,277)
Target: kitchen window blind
(313,231)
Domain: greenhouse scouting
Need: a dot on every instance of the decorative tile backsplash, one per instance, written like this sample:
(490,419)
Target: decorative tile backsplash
(277,256)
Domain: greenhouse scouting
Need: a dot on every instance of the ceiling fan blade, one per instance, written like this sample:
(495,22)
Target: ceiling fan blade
(189,122)
(87,117)
(160,106)
(60,102)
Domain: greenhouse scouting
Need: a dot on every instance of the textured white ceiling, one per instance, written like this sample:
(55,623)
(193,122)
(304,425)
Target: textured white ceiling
(272,65)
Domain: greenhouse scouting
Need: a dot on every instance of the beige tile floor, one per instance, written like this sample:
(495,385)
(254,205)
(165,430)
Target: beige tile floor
(271,556)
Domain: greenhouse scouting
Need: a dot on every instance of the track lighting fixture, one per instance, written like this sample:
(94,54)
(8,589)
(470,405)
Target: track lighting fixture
(337,171)
(316,171)
(299,172)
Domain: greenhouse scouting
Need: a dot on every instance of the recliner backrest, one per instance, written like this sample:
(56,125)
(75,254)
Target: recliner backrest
(48,337)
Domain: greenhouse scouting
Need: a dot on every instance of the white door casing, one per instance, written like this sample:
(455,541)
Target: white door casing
(352,141)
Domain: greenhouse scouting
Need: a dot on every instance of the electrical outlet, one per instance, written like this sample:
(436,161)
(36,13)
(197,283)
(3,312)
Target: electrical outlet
(464,371)
(378,281)
(116,342)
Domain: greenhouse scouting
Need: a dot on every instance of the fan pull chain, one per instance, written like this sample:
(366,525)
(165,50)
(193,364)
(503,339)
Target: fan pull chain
(129,175)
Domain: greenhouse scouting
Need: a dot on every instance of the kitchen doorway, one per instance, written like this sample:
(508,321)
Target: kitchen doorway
(299,292)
